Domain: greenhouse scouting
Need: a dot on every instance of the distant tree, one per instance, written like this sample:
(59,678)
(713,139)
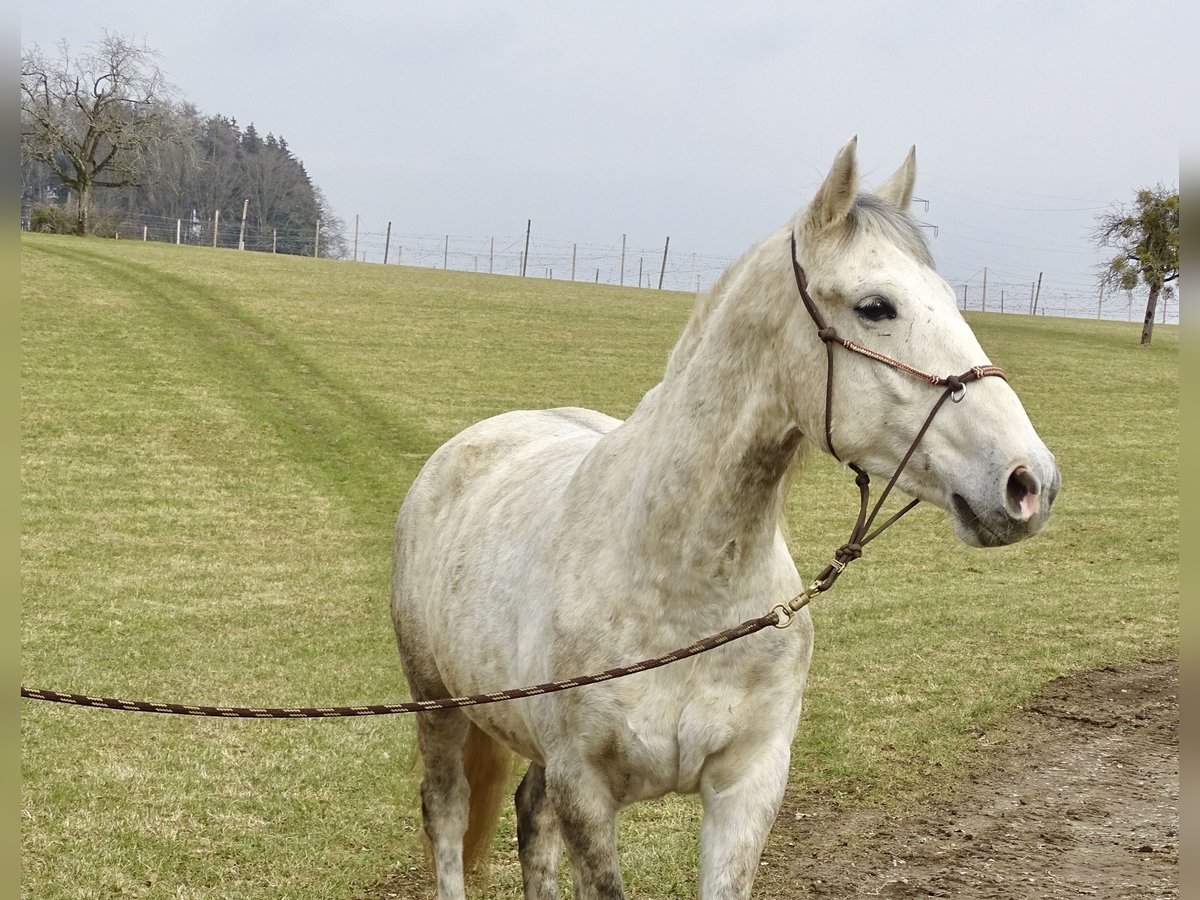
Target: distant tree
(78,118)
(1146,237)
(90,118)
(334,244)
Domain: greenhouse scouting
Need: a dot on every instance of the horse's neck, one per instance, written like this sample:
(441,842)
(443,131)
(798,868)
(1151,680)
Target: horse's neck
(705,457)
(712,475)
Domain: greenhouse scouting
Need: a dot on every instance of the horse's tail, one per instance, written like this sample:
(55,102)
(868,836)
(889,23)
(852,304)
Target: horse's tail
(488,766)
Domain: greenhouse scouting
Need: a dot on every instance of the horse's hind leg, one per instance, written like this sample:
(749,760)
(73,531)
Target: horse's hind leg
(445,795)
(539,841)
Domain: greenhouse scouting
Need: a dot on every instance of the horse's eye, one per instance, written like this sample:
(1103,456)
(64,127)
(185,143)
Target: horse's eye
(876,309)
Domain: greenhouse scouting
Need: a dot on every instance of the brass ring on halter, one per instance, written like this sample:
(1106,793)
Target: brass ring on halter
(786,615)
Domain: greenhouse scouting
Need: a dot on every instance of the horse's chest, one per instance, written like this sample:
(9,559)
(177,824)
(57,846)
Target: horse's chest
(663,744)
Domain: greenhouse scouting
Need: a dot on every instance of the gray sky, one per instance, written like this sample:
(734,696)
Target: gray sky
(710,122)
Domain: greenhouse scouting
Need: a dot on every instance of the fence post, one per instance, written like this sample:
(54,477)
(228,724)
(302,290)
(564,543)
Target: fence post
(491,255)
(145,233)
(274,236)
(387,242)
(216,225)
(317,240)
(446,254)
(622,279)
(242,232)
(525,255)
(572,262)
(178,230)
(663,270)
(1037,293)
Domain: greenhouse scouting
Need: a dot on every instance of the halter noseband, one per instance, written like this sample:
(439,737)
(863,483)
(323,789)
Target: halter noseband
(955,388)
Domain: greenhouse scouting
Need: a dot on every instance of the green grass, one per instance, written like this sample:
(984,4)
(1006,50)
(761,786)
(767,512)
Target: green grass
(214,449)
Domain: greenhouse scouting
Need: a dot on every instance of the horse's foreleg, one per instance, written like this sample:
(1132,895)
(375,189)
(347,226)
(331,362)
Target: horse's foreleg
(444,796)
(587,817)
(740,806)
(539,840)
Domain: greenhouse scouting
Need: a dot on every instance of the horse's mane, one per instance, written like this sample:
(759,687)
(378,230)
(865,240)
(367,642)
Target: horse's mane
(705,304)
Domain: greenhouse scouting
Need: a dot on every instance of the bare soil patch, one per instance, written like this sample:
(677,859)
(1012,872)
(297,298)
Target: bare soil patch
(1081,801)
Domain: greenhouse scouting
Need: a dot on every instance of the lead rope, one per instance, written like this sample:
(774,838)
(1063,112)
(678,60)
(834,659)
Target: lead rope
(750,626)
(780,616)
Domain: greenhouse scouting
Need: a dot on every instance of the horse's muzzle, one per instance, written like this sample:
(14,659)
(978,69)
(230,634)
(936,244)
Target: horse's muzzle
(1017,510)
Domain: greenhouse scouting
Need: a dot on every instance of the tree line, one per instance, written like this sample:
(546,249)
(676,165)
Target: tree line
(107,142)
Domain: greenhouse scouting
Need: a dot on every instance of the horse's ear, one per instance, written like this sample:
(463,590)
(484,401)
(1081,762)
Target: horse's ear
(898,190)
(835,197)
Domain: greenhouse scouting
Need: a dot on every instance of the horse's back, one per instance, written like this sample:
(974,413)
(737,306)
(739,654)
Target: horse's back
(522,442)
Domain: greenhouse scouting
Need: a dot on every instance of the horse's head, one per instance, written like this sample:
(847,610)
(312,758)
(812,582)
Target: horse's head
(871,280)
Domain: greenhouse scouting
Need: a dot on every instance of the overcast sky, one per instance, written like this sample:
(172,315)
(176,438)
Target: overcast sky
(711,122)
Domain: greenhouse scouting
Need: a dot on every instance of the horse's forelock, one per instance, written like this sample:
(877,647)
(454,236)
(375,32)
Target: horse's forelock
(875,217)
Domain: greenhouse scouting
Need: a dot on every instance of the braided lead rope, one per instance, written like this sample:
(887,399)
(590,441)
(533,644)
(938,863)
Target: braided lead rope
(780,616)
(750,626)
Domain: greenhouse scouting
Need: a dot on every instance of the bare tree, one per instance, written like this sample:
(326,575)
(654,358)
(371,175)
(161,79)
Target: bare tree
(1146,237)
(91,117)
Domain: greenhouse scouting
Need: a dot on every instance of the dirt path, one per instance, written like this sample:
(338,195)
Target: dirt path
(1082,802)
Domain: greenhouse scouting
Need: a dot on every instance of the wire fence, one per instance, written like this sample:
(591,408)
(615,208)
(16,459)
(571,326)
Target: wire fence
(620,262)
(1051,299)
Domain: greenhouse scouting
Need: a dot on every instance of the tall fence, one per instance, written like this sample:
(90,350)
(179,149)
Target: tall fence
(619,262)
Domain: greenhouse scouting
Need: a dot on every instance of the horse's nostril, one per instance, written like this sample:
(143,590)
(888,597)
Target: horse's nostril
(1023,492)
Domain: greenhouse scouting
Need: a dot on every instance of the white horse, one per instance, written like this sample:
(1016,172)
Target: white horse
(535,546)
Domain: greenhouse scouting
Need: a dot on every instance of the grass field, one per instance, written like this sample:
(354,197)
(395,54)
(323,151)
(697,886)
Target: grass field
(214,449)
